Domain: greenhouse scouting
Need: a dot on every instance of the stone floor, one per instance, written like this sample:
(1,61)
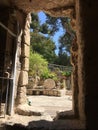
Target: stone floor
(52,104)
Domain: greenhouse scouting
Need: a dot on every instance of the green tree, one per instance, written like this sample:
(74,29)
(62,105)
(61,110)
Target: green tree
(65,40)
(36,27)
(43,46)
(39,42)
(63,59)
(37,64)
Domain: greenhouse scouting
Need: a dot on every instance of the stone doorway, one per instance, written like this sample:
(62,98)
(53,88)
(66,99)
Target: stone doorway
(40,97)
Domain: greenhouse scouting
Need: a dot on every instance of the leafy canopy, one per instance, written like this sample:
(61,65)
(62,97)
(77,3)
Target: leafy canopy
(42,42)
(43,46)
(37,64)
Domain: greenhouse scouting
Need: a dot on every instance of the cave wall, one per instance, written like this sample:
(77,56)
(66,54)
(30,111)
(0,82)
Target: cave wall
(87,22)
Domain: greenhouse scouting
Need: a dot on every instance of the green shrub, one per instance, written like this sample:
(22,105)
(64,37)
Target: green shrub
(38,64)
(66,73)
(49,74)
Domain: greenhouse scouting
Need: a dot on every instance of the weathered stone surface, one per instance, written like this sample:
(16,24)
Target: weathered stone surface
(49,84)
(29,6)
(21,98)
(63,12)
(26,32)
(19,51)
(25,64)
(19,37)
(22,89)
(27,110)
(27,36)
(23,78)
(17,77)
(25,50)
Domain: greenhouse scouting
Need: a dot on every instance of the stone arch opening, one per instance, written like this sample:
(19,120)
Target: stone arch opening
(74,50)
(24,28)
(71,113)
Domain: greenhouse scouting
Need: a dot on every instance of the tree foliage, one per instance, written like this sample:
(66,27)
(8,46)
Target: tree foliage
(66,39)
(44,45)
(37,64)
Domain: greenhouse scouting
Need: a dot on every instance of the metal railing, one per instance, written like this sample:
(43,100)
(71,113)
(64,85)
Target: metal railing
(60,67)
(4,94)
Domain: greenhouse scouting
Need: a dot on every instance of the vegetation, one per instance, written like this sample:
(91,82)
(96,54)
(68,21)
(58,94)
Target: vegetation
(42,34)
(38,65)
(43,46)
(43,49)
(66,73)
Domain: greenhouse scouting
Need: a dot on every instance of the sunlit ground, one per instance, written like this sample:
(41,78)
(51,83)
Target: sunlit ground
(52,104)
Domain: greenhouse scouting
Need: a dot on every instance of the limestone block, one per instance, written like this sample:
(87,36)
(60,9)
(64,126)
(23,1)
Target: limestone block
(27,36)
(25,64)
(27,30)
(21,95)
(25,50)
(19,51)
(17,77)
(22,99)
(19,37)
(23,78)
(22,90)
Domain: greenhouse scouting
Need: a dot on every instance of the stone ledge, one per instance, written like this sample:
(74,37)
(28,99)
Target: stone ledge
(48,92)
(27,110)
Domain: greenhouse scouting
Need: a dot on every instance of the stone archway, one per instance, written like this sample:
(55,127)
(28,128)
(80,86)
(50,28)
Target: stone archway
(56,7)
(68,9)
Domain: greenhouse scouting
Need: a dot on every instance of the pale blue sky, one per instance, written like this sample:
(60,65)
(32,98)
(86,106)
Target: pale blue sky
(55,38)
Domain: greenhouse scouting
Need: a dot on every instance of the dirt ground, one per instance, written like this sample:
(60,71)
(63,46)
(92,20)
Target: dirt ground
(52,104)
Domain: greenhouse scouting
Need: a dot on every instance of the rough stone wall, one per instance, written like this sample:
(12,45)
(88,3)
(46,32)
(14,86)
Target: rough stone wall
(81,78)
(45,5)
(24,59)
(88,60)
(74,62)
